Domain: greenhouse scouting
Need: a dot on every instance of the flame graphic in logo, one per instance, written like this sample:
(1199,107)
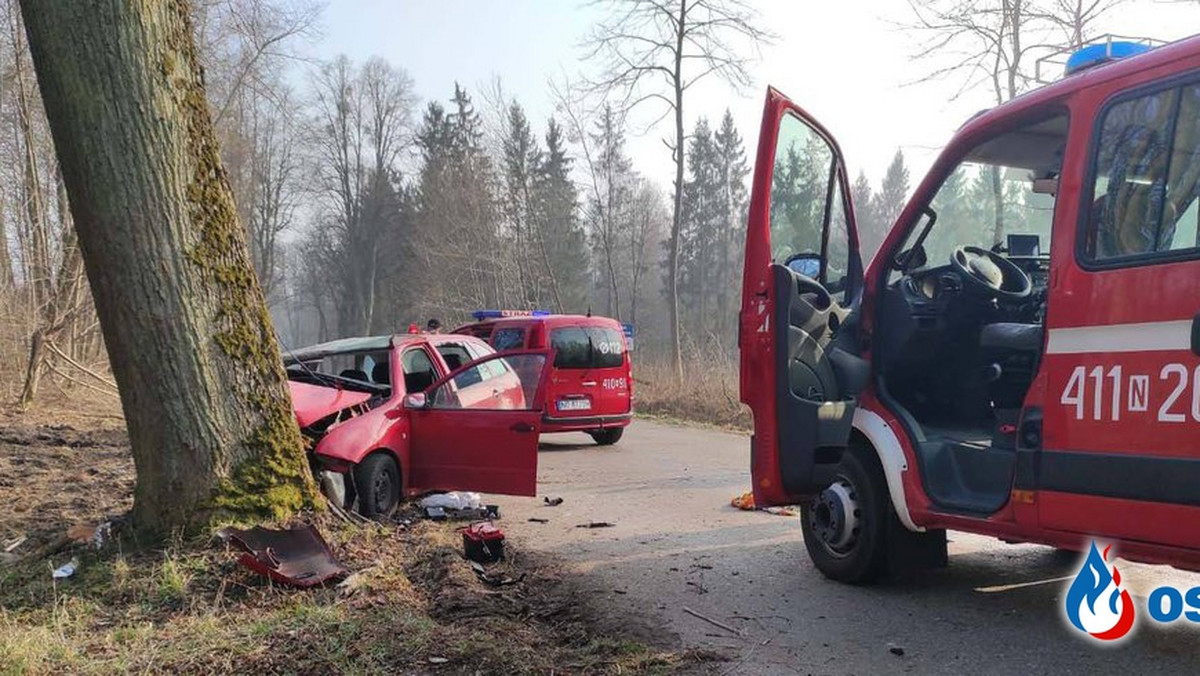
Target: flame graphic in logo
(1096,604)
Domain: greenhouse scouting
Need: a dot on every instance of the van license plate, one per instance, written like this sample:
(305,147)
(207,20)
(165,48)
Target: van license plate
(574,405)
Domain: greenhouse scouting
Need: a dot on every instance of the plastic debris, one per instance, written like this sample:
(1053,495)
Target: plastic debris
(745,501)
(552,501)
(66,570)
(452,500)
(596,524)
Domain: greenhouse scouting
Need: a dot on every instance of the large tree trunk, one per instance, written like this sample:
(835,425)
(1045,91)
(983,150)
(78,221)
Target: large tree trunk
(183,316)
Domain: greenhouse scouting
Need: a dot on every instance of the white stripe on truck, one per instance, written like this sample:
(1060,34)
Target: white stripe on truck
(1146,337)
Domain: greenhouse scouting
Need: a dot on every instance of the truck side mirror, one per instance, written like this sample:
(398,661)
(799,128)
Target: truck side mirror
(806,264)
(910,259)
(416,400)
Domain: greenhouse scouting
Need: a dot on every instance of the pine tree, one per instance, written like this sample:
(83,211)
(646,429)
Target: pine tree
(522,158)
(731,200)
(608,212)
(561,238)
(866,218)
(698,228)
(893,193)
(457,214)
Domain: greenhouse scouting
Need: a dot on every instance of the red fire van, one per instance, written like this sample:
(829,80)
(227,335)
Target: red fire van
(591,381)
(1019,359)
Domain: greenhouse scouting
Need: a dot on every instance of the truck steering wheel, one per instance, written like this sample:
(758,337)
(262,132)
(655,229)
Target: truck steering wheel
(991,273)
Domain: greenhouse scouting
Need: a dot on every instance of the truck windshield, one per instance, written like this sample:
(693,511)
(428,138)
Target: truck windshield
(991,194)
(980,205)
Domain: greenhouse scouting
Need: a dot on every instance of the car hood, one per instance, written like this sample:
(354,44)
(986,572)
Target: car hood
(313,402)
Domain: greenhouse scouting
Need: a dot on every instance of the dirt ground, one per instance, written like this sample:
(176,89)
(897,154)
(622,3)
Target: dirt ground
(413,605)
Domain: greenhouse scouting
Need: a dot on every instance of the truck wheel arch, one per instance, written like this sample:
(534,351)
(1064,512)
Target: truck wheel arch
(876,433)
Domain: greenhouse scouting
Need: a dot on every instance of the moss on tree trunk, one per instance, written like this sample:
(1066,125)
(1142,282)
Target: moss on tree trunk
(183,315)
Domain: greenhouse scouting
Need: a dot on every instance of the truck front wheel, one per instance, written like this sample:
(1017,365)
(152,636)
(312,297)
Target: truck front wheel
(845,525)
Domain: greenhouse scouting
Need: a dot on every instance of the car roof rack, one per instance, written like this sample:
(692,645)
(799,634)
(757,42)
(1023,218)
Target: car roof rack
(1093,52)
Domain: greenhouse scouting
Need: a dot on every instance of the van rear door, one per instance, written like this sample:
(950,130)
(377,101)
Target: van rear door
(801,268)
(590,376)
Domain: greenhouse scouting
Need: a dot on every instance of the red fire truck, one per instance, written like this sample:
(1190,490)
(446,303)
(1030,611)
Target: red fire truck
(1019,359)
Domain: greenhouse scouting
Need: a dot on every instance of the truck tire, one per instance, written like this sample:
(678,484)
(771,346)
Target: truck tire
(607,436)
(845,526)
(377,482)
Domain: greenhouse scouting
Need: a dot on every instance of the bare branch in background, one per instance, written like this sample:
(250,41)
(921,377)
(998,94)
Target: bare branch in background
(651,52)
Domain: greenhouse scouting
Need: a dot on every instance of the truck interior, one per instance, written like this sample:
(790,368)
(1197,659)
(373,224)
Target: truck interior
(961,321)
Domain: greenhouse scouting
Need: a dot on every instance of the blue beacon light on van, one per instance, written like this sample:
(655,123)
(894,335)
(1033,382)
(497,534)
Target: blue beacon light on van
(1094,55)
(481,315)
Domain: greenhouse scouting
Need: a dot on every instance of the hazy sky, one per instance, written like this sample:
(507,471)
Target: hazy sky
(845,61)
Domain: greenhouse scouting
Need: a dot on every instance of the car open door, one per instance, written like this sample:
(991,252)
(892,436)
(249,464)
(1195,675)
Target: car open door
(801,277)
(477,428)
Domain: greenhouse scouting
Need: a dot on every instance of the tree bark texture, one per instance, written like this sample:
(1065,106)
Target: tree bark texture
(183,315)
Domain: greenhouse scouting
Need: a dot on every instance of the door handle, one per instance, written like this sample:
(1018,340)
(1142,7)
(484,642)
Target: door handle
(1196,334)
(522,427)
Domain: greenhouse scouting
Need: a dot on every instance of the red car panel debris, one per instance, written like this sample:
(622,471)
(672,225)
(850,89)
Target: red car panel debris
(313,402)
(298,556)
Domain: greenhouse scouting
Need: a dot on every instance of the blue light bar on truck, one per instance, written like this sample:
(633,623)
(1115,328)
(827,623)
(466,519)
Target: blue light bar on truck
(481,315)
(1094,55)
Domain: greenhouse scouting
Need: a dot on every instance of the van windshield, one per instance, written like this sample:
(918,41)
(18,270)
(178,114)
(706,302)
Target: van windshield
(991,194)
(980,205)
(587,347)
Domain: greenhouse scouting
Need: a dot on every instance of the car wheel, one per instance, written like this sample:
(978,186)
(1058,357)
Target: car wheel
(607,436)
(845,525)
(377,480)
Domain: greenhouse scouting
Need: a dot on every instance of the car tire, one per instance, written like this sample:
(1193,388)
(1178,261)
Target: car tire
(855,552)
(607,436)
(377,483)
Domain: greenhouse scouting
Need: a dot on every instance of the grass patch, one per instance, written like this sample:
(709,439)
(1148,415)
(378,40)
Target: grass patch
(708,395)
(416,606)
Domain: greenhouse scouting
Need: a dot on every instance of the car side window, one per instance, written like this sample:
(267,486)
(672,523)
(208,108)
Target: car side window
(454,355)
(572,349)
(508,339)
(419,372)
(509,390)
(1147,178)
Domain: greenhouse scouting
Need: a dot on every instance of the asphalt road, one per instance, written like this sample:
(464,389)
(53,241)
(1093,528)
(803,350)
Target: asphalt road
(677,544)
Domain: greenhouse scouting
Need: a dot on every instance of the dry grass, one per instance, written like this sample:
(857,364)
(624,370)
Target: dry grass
(708,395)
(187,607)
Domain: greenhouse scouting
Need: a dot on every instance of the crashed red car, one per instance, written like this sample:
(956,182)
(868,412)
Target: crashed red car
(392,416)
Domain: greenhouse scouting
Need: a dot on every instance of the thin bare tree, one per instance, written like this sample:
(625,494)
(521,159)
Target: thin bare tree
(995,44)
(652,52)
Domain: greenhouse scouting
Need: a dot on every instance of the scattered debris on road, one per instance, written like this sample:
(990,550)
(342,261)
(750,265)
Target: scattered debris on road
(596,524)
(711,621)
(895,650)
(552,501)
(493,580)
(535,519)
(745,502)
(298,556)
(453,500)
